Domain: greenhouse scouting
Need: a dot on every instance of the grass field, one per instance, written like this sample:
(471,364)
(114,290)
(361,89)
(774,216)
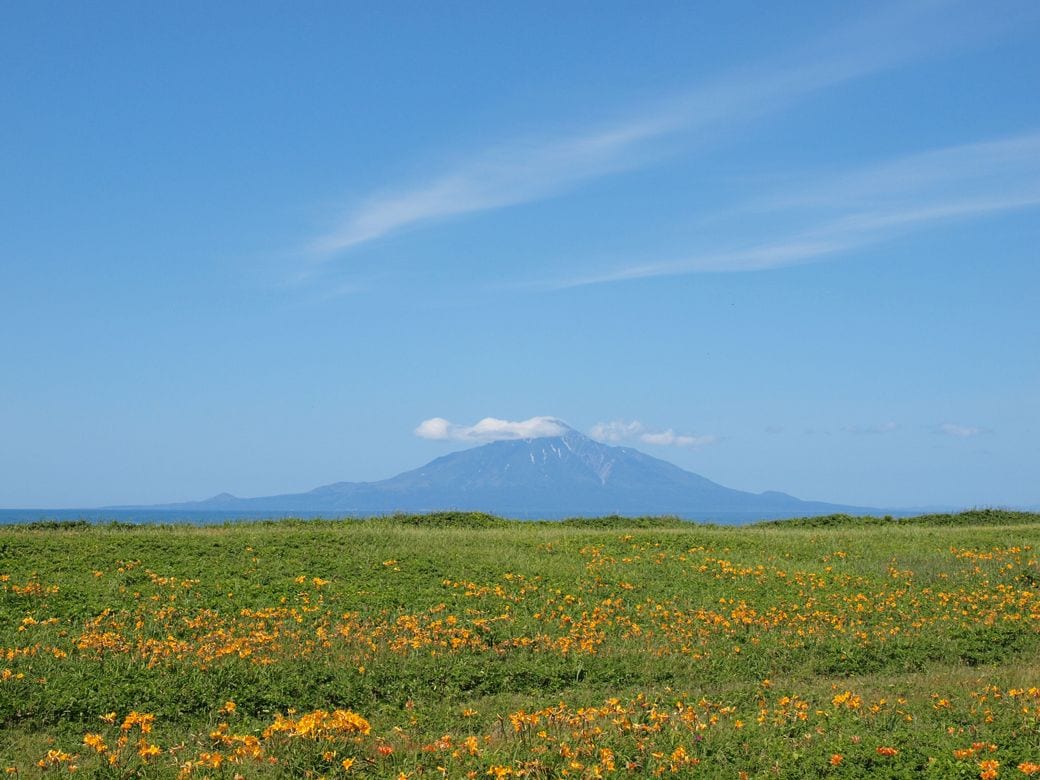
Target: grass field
(466,646)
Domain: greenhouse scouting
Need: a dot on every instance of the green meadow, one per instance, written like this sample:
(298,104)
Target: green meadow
(463,645)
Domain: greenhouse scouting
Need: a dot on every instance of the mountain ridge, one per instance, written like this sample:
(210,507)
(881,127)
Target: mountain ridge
(547,477)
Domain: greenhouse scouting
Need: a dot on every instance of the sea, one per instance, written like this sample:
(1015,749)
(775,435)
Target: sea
(149,516)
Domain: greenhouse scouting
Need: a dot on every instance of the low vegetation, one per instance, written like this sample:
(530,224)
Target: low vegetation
(464,645)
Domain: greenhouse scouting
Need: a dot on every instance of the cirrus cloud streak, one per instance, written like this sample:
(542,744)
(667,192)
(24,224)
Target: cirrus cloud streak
(531,169)
(845,212)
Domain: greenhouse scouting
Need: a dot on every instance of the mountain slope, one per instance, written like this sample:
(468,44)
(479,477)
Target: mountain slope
(549,477)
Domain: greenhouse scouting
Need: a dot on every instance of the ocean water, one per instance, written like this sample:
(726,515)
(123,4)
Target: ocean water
(148,516)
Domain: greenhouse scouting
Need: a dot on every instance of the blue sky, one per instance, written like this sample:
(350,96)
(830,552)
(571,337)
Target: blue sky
(253,247)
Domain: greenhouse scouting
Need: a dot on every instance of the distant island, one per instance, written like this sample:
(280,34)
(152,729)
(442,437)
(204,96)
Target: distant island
(554,477)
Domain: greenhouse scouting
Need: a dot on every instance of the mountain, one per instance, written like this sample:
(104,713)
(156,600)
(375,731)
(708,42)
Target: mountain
(552,477)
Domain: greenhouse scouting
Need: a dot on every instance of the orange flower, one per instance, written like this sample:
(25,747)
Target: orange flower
(54,758)
(95,741)
(141,719)
(836,759)
(887,751)
(212,760)
(319,725)
(147,751)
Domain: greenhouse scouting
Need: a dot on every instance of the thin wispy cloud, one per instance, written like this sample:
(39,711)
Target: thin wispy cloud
(984,165)
(512,174)
(669,438)
(857,208)
(619,431)
(959,431)
(527,170)
(872,430)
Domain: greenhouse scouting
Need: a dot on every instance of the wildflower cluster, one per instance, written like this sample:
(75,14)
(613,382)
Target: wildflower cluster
(595,654)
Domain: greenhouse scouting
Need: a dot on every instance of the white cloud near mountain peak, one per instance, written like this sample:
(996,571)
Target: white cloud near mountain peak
(490,429)
(618,431)
(614,432)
